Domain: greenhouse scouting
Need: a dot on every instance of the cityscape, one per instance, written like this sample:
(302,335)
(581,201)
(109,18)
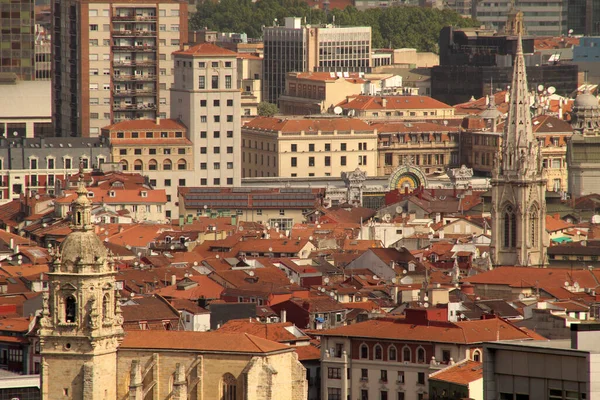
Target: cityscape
(299,200)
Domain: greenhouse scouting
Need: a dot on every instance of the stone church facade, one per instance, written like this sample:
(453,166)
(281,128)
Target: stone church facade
(518,187)
(86,354)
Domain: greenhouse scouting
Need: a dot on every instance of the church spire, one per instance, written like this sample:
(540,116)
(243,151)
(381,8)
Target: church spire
(519,150)
(81,208)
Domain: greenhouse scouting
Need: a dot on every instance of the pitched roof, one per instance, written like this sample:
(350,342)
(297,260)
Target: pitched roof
(363,102)
(146,125)
(278,332)
(205,49)
(204,288)
(530,277)
(307,124)
(200,341)
(461,373)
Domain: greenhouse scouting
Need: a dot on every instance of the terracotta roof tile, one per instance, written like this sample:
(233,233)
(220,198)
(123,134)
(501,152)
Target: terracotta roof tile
(146,125)
(307,124)
(205,49)
(200,341)
(306,353)
(276,332)
(461,373)
(363,102)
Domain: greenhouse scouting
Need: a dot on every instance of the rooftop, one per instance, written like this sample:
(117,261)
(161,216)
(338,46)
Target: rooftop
(205,49)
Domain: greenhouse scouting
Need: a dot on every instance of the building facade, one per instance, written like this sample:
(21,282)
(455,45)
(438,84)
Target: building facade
(207,99)
(404,108)
(17,38)
(160,150)
(548,18)
(518,186)
(308,147)
(113,62)
(249,70)
(303,48)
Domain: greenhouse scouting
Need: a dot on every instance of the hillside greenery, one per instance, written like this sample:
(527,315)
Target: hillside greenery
(394,27)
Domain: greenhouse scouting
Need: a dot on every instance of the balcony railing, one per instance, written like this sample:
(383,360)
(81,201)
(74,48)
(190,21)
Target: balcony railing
(127,77)
(134,92)
(145,47)
(141,18)
(134,63)
(133,33)
(133,107)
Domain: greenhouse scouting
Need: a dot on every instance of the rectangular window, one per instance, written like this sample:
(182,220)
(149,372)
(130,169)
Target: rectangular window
(364,394)
(229,103)
(327,147)
(94,27)
(334,393)
(214,82)
(294,162)
(311,147)
(311,161)
(294,148)
(383,377)
(343,146)
(227,81)
(343,160)
(421,378)
(334,373)
(327,161)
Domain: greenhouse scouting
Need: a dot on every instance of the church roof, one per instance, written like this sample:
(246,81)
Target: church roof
(200,341)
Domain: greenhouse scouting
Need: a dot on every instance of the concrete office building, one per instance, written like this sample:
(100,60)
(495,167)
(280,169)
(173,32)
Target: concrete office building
(541,18)
(206,98)
(303,48)
(113,62)
(17,29)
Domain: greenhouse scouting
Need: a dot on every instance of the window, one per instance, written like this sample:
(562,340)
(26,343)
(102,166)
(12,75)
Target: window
(311,147)
(446,356)
(364,351)
(214,82)
(203,165)
(216,134)
(510,227)
(343,160)
(421,378)
(229,103)
(214,64)
(202,64)
(334,373)
(182,182)
(70,309)
(294,148)
(362,160)
(294,162)
(202,85)
(228,387)
(334,394)
(420,355)
(392,356)
(343,146)
(203,181)
(217,150)
(229,165)
(383,395)
(400,377)
(202,150)
(311,161)
(217,118)
(217,165)
(406,356)
(383,376)
(227,81)
(229,134)
(477,356)
(94,27)
(378,352)
(364,394)
(175,28)
(203,118)
(230,118)
(230,182)
(229,149)
(216,181)
(364,374)
(282,212)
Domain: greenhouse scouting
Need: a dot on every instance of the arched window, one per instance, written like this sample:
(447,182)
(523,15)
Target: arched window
(124,165)
(167,165)
(392,354)
(477,356)
(152,165)
(510,227)
(70,309)
(378,352)
(364,351)
(406,356)
(533,226)
(78,218)
(106,314)
(138,165)
(181,164)
(420,355)
(228,387)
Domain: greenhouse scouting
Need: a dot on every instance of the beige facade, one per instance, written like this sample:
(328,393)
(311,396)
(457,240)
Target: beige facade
(160,150)
(249,70)
(431,147)
(405,108)
(307,147)
(207,99)
(113,62)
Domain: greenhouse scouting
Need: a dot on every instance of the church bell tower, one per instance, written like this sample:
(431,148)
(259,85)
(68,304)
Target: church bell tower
(518,186)
(81,323)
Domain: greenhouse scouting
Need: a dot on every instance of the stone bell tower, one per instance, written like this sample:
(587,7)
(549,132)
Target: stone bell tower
(518,185)
(81,324)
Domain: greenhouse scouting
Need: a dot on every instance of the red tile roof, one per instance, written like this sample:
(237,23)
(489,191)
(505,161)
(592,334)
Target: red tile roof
(205,49)
(121,196)
(200,341)
(363,102)
(276,332)
(309,352)
(150,142)
(461,373)
(146,125)
(307,125)
(530,277)
(206,288)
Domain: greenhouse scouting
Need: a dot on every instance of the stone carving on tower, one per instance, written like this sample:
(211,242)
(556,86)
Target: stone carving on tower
(518,187)
(81,322)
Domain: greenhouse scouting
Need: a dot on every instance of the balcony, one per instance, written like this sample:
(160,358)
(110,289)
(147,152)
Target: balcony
(133,33)
(137,18)
(134,92)
(134,63)
(138,78)
(133,107)
(136,48)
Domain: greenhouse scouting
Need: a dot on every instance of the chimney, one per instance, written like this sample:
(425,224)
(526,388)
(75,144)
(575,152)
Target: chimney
(12,243)
(157,120)
(383,102)
(283,315)
(173,280)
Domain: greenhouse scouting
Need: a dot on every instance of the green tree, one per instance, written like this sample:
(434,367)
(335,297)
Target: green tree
(265,109)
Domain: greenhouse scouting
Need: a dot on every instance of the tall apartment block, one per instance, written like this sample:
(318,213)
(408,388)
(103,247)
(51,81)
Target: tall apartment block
(17,38)
(304,48)
(206,97)
(113,61)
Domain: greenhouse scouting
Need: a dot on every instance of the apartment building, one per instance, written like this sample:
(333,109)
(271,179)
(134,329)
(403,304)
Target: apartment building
(113,61)
(294,47)
(160,150)
(307,147)
(17,38)
(249,70)
(430,146)
(393,358)
(206,98)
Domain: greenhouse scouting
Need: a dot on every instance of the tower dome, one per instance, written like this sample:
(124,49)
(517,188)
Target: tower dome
(585,116)
(586,100)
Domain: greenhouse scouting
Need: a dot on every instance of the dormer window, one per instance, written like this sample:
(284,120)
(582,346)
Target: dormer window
(144,193)
(90,194)
(112,193)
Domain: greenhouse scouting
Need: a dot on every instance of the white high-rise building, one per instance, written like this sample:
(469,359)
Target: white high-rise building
(206,97)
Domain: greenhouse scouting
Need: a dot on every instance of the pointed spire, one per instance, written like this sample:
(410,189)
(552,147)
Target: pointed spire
(81,207)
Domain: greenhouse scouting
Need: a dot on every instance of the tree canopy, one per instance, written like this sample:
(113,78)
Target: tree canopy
(395,27)
(267,109)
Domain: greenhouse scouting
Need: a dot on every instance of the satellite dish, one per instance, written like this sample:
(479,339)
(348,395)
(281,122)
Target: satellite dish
(575,285)
(319,288)
(251,273)
(426,305)
(521,296)
(566,283)
(540,88)
(404,271)
(332,293)
(326,280)
(425,298)
(218,256)
(394,280)
(570,31)
(387,218)
(310,238)
(241,228)
(270,249)
(399,210)
(338,110)
(375,277)
(552,89)
(291,280)
(195,263)
(462,316)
